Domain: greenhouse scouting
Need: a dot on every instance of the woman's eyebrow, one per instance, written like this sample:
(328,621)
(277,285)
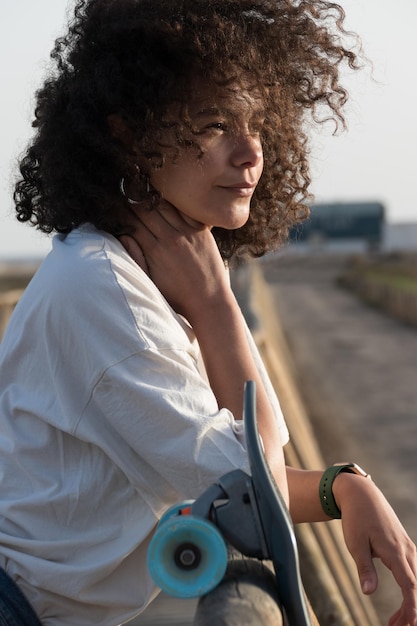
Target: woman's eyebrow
(207,112)
(257,113)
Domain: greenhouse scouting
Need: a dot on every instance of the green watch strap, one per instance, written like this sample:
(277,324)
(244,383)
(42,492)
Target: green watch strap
(327,500)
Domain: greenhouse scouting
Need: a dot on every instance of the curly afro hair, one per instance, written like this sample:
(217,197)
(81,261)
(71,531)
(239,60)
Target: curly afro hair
(135,58)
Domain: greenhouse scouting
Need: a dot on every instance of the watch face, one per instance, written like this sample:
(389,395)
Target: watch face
(353,468)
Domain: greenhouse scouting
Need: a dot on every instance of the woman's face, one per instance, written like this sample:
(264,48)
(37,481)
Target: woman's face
(215,188)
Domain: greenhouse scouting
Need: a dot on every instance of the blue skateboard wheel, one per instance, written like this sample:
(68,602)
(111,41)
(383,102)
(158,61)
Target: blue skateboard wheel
(174,510)
(187,556)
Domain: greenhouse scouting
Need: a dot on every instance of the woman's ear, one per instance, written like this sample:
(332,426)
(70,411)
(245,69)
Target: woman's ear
(120,130)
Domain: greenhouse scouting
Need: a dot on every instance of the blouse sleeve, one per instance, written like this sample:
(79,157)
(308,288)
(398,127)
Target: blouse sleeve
(158,420)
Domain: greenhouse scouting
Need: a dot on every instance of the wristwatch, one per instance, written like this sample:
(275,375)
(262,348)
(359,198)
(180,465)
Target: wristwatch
(327,500)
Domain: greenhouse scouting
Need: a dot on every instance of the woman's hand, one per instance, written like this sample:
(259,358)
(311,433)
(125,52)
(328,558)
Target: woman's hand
(372,530)
(180,255)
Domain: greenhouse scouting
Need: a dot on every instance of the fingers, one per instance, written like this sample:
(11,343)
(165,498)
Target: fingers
(156,219)
(176,218)
(401,559)
(368,576)
(403,567)
(164,219)
(403,617)
(148,227)
(167,245)
(379,534)
(368,580)
(404,572)
(134,250)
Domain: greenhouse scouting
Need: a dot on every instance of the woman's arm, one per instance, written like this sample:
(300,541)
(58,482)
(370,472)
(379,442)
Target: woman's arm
(371,530)
(184,262)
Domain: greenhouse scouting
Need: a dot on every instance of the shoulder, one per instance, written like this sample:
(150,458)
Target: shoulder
(88,263)
(94,282)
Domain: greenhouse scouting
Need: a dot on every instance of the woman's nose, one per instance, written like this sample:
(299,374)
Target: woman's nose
(247,150)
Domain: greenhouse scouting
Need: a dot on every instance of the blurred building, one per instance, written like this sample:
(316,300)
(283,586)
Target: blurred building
(352,226)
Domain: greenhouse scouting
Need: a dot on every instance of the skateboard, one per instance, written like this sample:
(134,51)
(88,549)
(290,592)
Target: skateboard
(187,556)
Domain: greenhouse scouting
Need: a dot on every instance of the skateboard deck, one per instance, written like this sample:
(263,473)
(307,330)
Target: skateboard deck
(276,521)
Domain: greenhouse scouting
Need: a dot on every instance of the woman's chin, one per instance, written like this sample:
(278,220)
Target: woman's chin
(234,220)
(237,223)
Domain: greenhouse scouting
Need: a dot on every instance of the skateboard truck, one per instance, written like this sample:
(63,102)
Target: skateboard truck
(232,499)
(187,556)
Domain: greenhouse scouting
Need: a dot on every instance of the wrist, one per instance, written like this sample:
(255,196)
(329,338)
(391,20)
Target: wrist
(215,311)
(335,481)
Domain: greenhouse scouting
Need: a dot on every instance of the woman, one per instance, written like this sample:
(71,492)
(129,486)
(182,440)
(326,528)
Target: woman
(171,138)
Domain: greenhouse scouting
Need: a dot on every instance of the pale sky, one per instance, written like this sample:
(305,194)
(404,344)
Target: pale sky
(374,160)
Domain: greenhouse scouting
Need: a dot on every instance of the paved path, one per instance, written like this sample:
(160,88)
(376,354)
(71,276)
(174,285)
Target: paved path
(357,370)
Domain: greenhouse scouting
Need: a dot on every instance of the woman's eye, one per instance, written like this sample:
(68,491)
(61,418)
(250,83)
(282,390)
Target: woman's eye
(216,126)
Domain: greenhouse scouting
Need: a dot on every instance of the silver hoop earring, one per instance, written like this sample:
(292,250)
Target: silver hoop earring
(123,192)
